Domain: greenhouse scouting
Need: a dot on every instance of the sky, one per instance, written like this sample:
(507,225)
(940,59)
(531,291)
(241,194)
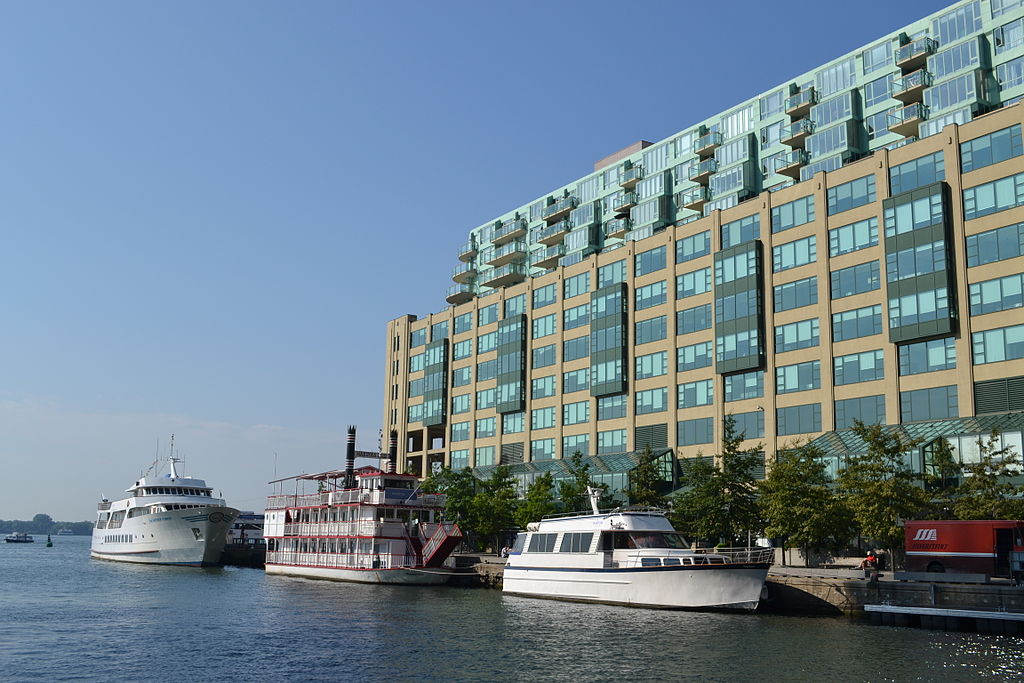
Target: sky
(209,211)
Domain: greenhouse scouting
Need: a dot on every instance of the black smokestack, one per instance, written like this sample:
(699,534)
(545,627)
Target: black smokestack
(350,459)
(393,451)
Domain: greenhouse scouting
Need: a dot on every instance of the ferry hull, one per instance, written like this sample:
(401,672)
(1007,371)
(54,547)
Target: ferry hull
(729,587)
(193,537)
(402,576)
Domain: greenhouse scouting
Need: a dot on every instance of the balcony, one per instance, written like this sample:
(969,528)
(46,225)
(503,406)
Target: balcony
(790,164)
(695,198)
(459,294)
(617,227)
(467,251)
(624,203)
(504,276)
(703,171)
(794,134)
(914,55)
(631,176)
(551,234)
(706,144)
(508,231)
(464,272)
(910,88)
(906,121)
(507,253)
(559,209)
(548,258)
(799,105)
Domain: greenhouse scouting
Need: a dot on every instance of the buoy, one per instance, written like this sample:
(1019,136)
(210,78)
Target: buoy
(49,543)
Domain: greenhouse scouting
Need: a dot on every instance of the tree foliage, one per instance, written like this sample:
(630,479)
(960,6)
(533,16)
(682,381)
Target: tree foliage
(986,491)
(539,501)
(492,509)
(573,491)
(459,487)
(645,482)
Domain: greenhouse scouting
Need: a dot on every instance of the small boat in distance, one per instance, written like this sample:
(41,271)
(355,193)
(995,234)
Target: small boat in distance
(19,537)
(631,557)
(65,532)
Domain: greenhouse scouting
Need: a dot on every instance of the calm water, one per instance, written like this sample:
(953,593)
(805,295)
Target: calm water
(64,616)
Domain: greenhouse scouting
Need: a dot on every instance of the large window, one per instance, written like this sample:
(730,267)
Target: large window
(462,376)
(740,231)
(694,246)
(958,23)
(576,285)
(853,237)
(693,357)
(792,214)
(693,319)
(1010,74)
(515,305)
(611,441)
(542,449)
(995,245)
(993,346)
(611,407)
(927,356)
(917,173)
(918,307)
(803,419)
(512,423)
(487,315)
(860,322)
(545,296)
(543,356)
(651,401)
(693,432)
(937,403)
(868,409)
(991,149)
(652,365)
(573,349)
(877,57)
(910,216)
(851,195)
(798,377)
(649,261)
(462,349)
(859,367)
(798,335)
(575,380)
(487,342)
(460,404)
(857,279)
(651,295)
(460,431)
(794,254)
(914,261)
(744,303)
(998,195)
(749,425)
(650,330)
(953,59)
(796,294)
(544,326)
(486,370)
(417,338)
(486,398)
(463,323)
(736,345)
(542,387)
(1000,294)
(611,274)
(576,413)
(744,385)
(735,267)
(691,394)
(693,283)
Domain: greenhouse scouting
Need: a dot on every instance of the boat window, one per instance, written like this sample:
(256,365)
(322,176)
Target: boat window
(542,543)
(654,539)
(670,561)
(650,562)
(519,543)
(576,542)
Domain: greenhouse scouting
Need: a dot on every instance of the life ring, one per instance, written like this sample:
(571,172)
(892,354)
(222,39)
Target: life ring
(216,517)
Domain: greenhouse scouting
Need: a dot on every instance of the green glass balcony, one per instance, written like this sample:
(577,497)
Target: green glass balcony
(464,272)
(694,199)
(504,276)
(507,253)
(910,88)
(914,55)
(468,251)
(548,258)
(624,203)
(559,209)
(703,171)
(551,234)
(706,144)
(796,133)
(617,227)
(631,176)
(508,231)
(790,164)
(800,104)
(907,120)
(459,294)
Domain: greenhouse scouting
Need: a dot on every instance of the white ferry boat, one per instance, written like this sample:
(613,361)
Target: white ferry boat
(631,557)
(164,520)
(367,526)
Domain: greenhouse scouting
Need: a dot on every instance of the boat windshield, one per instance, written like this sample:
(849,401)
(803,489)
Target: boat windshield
(647,539)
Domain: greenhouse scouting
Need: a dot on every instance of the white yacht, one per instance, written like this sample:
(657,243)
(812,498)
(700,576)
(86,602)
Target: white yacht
(631,557)
(168,519)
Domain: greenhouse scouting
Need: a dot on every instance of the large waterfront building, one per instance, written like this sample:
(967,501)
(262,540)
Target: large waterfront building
(848,245)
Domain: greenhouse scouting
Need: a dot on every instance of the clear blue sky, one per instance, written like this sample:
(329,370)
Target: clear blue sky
(198,201)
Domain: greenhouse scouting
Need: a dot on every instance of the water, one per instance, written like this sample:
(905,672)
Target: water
(64,616)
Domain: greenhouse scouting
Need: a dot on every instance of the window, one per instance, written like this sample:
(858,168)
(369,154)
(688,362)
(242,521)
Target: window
(917,173)
(795,294)
(798,335)
(573,349)
(952,92)
(576,285)
(460,404)
(577,316)
(956,58)
(579,443)
(1000,294)
(515,305)
(693,283)
(794,254)
(1003,343)
(651,401)
(486,370)
(542,357)
(650,330)
(693,319)
(770,134)
(918,307)
(417,338)
(735,267)
(991,149)
(611,274)
(739,305)
(749,425)
(693,432)
(543,326)
(460,459)
(868,409)
(512,423)
(736,345)
(693,246)
(463,323)
(460,431)
(650,295)
(995,245)
(799,377)
(483,456)
(611,407)
(462,376)
(575,380)
(485,427)
(744,385)
(936,403)
(576,413)
(989,198)
(487,315)
(415,388)
(851,195)
(858,279)
(772,103)
(693,357)
(606,372)
(613,337)
(927,356)
(542,543)
(910,216)
(415,413)
(652,365)
(1010,74)
(691,394)
(859,322)
(794,213)
(612,441)
(649,261)
(803,419)
(542,387)
(877,91)
(840,76)
(545,296)
(1001,7)
(853,237)
(487,342)
(877,124)
(462,349)
(740,231)
(542,449)
(915,261)
(958,23)
(859,367)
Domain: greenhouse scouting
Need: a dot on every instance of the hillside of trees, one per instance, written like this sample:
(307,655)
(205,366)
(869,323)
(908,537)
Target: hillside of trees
(44,524)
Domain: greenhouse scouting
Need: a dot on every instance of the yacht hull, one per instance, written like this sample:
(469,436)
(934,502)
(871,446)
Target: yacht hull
(192,537)
(400,576)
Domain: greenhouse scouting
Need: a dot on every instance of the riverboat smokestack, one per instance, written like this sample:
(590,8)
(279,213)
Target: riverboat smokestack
(350,459)
(393,451)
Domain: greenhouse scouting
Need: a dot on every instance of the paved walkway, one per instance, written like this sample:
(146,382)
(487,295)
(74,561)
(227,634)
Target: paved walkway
(821,573)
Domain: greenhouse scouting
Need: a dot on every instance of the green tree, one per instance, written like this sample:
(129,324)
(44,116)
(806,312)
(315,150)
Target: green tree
(800,505)
(539,501)
(573,491)
(459,487)
(879,488)
(645,482)
(492,509)
(42,524)
(943,473)
(721,501)
(987,492)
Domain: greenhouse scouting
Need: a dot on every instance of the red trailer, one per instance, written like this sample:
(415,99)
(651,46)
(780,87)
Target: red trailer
(990,547)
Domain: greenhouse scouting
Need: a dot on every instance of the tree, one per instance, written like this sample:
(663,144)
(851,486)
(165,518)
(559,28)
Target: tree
(492,509)
(644,482)
(458,486)
(986,492)
(573,491)
(539,501)
(42,524)
(721,503)
(800,505)
(942,478)
(878,487)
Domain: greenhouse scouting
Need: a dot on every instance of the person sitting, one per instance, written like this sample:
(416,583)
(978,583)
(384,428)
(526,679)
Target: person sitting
(869,562)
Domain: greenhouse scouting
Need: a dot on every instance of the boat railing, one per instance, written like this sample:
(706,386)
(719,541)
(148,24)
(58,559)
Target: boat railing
(374,497)
(341,560)
(357,528)
(606,511)
(740,555)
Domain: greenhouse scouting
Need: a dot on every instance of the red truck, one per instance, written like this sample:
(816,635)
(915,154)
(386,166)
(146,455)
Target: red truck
(989,547)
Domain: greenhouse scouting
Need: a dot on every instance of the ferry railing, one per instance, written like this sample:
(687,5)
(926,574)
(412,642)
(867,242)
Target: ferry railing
(374,497)
(740,555)
(341,560)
